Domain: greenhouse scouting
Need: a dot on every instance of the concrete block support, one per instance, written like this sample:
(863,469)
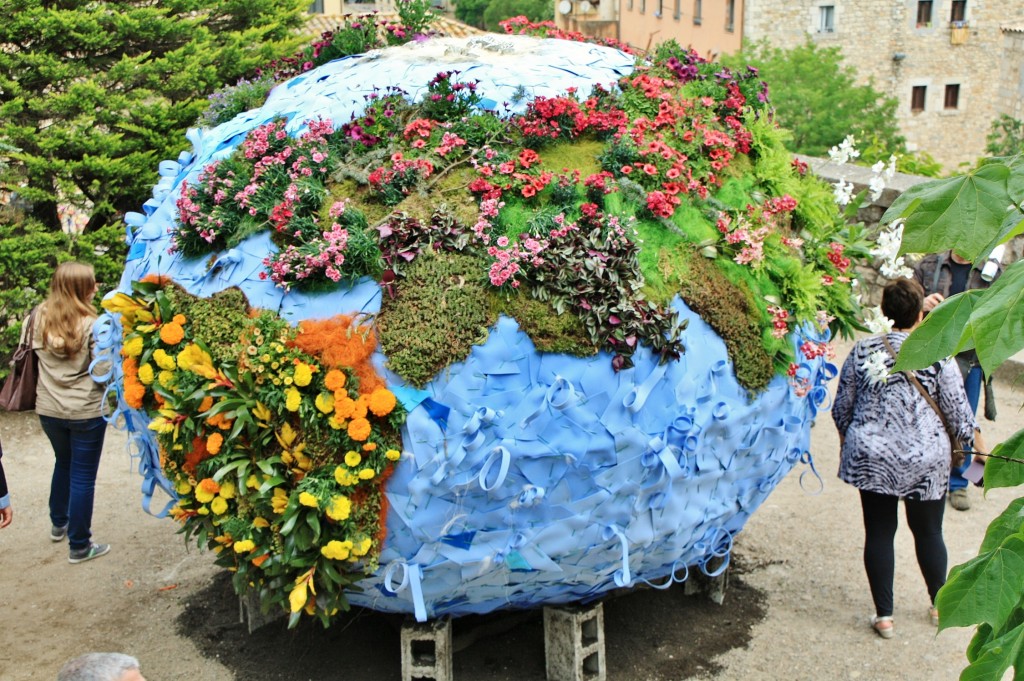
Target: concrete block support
(574,643)
(427,650)
(250,614)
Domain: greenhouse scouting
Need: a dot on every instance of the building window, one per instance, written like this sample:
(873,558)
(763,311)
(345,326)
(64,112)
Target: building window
(952,96)
(826,19)
(629,5)
(643,6)
(730,15)
(661,9)
(958,11)
(924,13)
(917,96)
(678,13)
(697,12)
(316,7)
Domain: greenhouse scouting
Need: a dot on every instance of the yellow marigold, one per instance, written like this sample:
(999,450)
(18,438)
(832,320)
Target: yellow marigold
(337,550)
(382,402)
(214,442)
(179,319)
(252,482)
(335,424)
(172,333)
(393,455)
(219,505)
(344,478)
(202,510)
(307,499)
(132,347)
(227,489)
(260,521)
(362,547)
(303,374)
(292,399)
(325,403)
(164,360)
(146,375)
(352,458)
(182,487)
(367,474)
(359,429)
(339,508)
(343,406)
(279,502)
(206,490)
(244,546)
(167,379)
(335,380)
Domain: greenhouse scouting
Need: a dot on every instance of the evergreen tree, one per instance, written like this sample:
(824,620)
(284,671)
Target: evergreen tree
(94,94)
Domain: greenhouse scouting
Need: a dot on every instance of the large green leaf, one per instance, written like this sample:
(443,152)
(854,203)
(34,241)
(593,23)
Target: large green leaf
(984,589)
(997,323)
(960,212)
(999,473)
(1010,521)
(940,333)
(997,656)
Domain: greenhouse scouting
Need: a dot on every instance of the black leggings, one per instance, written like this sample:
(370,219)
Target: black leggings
(880,521)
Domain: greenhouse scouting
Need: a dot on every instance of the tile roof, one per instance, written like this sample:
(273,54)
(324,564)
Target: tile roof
(452,28)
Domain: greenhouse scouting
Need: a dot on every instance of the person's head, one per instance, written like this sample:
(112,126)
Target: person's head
(902,302)
(101,667)
(69,302)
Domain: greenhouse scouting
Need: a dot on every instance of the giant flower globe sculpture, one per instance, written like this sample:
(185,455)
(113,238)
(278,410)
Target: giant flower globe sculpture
(464,325)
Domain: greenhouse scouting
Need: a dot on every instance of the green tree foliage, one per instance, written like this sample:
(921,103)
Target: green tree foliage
(499,10)
(816,96)
(471,11)
(1006,137)
(93,94)
(971,214)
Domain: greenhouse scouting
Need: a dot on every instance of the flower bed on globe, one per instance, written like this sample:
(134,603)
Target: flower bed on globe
(278,444)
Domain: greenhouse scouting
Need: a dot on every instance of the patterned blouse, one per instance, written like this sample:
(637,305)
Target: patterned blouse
(893,441)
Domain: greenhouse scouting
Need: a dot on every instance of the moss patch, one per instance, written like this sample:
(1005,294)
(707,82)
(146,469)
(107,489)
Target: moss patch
(579,155)
(549,331)
(215,320)
(441,308)
(729,310)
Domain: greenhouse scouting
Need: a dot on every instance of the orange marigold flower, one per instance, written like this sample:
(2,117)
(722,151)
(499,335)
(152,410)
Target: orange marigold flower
(359,429)
(134,392)
(382,402)
(344,407)
(214,442)
(369,446)
(172,333)
(206,404)
(179,319)
(335,380)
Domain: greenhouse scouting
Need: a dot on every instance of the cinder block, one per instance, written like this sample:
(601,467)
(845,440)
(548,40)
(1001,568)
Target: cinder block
(250,614)
(427,650)
(574,643)
(714,587)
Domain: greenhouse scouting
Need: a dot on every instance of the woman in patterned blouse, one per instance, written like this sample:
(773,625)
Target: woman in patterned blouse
(894,446)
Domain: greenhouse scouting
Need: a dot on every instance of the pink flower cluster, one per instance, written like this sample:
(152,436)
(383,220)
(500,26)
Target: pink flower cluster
(780,325)
(322,255)
(400,178)
(518,174)
(509,257)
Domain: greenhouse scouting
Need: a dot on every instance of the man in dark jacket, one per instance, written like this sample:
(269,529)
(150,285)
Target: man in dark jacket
(943,275)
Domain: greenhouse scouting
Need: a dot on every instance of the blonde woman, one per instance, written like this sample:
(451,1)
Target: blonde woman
(68,405)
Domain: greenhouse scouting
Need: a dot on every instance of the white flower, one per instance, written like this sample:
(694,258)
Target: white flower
(875,367)
(876,186)
(890,170)
(887,248)
(878,167)
(876,321)
(843,192)
(844,152)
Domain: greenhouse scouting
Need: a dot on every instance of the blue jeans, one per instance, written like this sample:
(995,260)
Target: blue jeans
(972,385)
(77,445)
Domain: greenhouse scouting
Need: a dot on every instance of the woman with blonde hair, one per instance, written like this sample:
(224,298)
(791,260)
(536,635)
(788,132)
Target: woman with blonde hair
(68,403)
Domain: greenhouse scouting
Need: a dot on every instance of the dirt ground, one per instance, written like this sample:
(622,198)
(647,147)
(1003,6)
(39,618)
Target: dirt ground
(797,605)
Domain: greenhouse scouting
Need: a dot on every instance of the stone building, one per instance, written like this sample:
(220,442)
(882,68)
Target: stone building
(953,65)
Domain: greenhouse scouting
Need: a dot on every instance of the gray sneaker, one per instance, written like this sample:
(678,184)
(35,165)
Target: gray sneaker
(88,553)
(58,533)
(959,500)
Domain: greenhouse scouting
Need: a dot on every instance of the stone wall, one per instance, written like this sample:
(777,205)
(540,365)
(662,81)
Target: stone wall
(871,214)
(882,40)
(644,23)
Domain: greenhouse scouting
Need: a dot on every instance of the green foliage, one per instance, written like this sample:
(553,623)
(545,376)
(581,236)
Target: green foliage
(440,309)
(231,100)
(216,320)
(96,93)
(549,331)
(1006,137)
(471,11)
(499,10)
(816,97)
(971,214)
